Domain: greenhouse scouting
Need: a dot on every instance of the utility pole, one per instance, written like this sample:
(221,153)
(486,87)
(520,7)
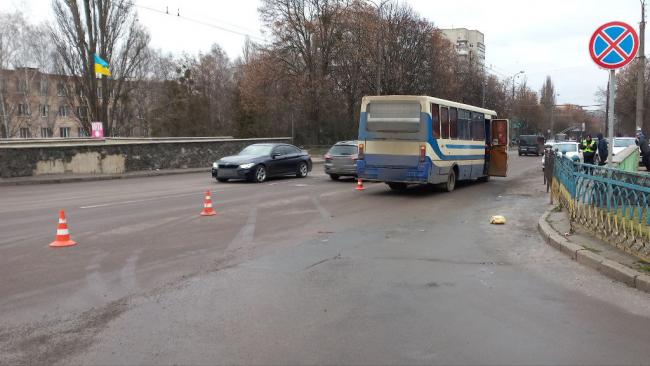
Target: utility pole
(640,81)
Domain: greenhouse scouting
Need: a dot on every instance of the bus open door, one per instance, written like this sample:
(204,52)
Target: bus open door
(498,159)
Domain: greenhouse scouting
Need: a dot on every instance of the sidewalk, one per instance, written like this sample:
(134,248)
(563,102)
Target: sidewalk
(70,178)
(593,252)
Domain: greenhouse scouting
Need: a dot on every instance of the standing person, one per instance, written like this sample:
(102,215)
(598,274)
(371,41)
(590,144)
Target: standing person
(602,149)
(642,142)
(588,147)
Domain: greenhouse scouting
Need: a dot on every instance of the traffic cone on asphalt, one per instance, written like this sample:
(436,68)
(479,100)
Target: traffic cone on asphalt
(62,233)
(359,185)
(207,205)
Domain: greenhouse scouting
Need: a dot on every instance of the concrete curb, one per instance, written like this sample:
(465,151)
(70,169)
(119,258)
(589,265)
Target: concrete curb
(609,268)
(92,178)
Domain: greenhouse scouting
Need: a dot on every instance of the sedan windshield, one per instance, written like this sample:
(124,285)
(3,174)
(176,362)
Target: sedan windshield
(257,150)
(623,142)
(566,148)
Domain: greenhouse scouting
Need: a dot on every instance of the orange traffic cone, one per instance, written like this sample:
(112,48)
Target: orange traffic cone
(359,185)
(62,234)
(207,205)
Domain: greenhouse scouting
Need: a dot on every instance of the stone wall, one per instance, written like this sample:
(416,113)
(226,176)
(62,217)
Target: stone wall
(115,157)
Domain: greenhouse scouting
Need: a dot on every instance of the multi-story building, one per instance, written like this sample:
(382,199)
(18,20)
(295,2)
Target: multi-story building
(469,43)
(34,104)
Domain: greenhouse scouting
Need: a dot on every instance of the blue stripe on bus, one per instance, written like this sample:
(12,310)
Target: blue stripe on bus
(363,135)
(481,147)
(434,145)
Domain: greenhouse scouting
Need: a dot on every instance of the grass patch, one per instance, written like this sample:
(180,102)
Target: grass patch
(644,266)
(593,250)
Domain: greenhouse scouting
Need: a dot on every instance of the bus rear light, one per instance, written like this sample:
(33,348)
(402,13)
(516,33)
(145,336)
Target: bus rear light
(423,153)
(360,155)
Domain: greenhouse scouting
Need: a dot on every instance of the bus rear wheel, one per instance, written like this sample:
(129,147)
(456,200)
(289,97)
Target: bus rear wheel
(451,181)
(397,186)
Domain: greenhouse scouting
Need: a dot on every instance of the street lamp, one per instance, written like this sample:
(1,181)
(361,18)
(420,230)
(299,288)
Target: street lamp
(513,83)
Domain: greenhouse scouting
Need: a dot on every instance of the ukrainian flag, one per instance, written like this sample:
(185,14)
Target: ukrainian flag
(101,66)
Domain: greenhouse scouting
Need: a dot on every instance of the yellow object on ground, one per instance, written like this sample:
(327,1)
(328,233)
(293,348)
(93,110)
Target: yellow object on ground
(498,220)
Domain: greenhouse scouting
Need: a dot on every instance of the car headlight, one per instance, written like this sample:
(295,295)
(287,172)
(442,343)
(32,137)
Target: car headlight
(215,165)
(246,166)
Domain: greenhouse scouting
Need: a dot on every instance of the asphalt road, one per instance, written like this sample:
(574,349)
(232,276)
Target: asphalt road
(302,271)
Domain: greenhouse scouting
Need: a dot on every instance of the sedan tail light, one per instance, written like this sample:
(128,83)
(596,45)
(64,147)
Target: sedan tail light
(327,157)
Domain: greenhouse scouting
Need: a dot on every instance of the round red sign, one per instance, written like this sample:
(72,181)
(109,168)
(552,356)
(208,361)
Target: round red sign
(614,45)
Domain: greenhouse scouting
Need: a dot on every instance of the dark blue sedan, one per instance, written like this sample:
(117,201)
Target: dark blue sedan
(258,162)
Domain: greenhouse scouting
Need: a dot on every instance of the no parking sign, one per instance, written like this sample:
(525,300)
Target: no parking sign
(614,45)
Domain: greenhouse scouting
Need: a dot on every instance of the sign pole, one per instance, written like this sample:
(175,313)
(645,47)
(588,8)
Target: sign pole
(610,117)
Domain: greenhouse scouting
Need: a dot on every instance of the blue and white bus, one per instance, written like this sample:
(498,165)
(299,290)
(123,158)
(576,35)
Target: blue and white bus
(407,139)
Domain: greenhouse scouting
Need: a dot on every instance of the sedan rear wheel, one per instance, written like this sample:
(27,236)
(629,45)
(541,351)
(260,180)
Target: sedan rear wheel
(302,170)
(259,175)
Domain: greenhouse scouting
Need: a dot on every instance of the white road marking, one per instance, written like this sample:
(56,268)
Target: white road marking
(140,200)
(326,215)
(246,234)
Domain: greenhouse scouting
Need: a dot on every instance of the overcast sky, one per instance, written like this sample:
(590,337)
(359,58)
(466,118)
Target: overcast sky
(542,38)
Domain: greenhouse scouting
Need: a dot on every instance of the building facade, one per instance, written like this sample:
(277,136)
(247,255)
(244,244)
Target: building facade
(34,104)
(469,43)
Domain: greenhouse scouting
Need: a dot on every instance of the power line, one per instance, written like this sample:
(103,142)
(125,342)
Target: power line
(198,21)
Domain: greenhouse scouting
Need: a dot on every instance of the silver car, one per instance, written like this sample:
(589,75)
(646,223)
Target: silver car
(341,159)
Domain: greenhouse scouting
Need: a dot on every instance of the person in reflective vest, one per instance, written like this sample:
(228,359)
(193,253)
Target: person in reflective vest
(588,147)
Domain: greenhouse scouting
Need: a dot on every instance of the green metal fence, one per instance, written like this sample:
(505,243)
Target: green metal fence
(612,203)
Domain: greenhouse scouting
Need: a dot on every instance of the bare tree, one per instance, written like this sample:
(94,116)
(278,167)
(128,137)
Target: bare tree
(108,28)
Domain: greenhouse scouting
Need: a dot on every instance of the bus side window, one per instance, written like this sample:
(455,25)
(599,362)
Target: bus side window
(453,123)
(478,126)
(464,125)
(444,122)
(435,121)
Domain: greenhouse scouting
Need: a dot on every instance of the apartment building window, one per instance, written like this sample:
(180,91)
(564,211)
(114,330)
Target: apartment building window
(25,133)
(63,111)
(23,109)
(46,132)
(64,132)
(45,110)
(99,92)
(22,85)
(61,90)
(45,87)
(81,132)
(145,131)
(82,113)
